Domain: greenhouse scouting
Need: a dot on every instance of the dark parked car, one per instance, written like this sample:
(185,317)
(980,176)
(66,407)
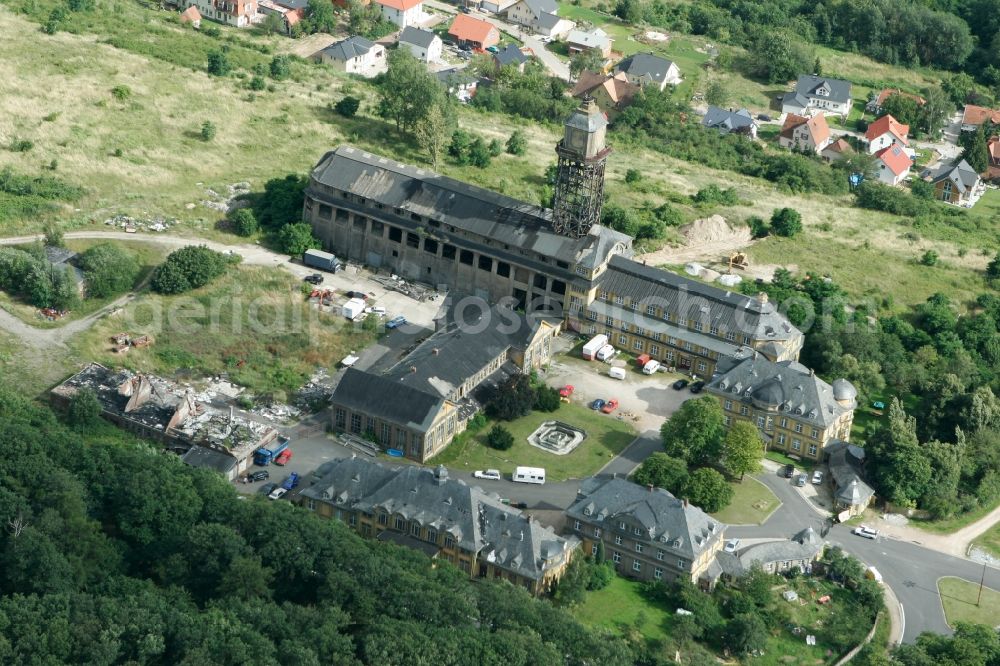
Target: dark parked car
(315,278)
(267,488)
(697,386)
(680,384)
(597,404)
(763,116)
(789,471)
(357,294)
(262,475)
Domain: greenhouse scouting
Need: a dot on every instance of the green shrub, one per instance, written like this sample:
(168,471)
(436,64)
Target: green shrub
(499,438)
(208,130)
(786,222)
(244,222)
(347,106)
(109,270)
(218,64)
(188,268)
(517,144)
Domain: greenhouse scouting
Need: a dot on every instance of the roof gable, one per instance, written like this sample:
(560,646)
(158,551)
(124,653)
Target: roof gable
(818,87)
(393,401)
(346,49)
(887,124)
(400,5)
(895,158)
(470,29)
(417,37)
(646,65)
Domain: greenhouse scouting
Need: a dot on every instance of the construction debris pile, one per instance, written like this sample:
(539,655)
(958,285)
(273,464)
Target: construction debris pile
(122,342)
(132,225)
(414,291)
(226,202)
(317,391)
(51,314)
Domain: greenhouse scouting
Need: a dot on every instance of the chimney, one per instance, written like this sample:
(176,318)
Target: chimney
(649,487)
(413,369)
(435,351)
(762,297)
(685,502)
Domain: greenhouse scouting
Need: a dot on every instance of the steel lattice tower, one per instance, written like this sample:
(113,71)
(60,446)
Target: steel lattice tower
(582,154)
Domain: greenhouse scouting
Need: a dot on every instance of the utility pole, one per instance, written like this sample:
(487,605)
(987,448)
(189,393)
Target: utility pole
(981,581)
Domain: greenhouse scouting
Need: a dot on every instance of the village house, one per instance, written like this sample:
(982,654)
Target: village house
(419,405)
(805,133)
(850,492)
(402,12)
(796,412)
(993,147)
(885,132)
(472,32)
(511,56)
(540,16)
(495,6)
(612,92)
(647,533)
(646,69)
(445,518)
(458,82)
(157,409)
(774,557)
(237,13)
(730,122)
(837,150)
(191,15)
(877,100)
(816,93)
(355,55)
(423,44)
(893,164)
(957,184)
(289,17)
(578,41)
(974,116)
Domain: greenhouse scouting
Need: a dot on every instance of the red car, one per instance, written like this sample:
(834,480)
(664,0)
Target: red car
(283,457)
(566,391)
(610,406)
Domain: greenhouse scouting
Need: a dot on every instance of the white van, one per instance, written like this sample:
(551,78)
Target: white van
(529,475)
(651,367)
(617,373)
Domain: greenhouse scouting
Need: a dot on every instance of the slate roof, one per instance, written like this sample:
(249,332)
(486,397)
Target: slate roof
(539,7)
(728,120)
(510,55)
(199,456)
(888,124)
(455,76)
(417,37)
(481,212)
(788,386)
(962,176)
(346,49)
(446,359)
(393,402)
(806,545)
(671,523)
(645,65)
(478,521)
(895,158)
(549,20)
(591,39)
(690,299)
(808,84)
(845,462)
(292,4)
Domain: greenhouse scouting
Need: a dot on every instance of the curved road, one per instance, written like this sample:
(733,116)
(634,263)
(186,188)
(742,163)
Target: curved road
(908,568)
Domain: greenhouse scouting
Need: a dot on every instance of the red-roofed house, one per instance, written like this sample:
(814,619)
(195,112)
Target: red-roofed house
(893,164)
(877,101)
(885,132)
(809,134)
(474,32)
(239,13)
(975,116)
(611,92)
(993,173)
(402,12)
(289,17)
(837,150)
(191,15)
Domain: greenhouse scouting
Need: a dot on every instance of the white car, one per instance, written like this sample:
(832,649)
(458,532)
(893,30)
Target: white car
(817,477)
(277,493)
(866,532)
(732,545)
(490,474)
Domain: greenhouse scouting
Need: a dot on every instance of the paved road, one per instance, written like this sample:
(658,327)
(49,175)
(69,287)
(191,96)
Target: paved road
(556,66)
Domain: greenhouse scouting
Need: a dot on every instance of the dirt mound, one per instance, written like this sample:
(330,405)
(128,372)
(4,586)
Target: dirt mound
(713,230)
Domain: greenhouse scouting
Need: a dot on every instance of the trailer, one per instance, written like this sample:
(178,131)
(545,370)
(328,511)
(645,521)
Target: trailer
(265,455)
(593,346)
(321,260)
(651,367)
(605,353)
(354,308)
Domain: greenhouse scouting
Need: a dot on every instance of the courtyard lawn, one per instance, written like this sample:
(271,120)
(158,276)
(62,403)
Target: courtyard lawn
(959,599)
(620,606)
(752,504)
(990,541)
(782,459)
(606,438)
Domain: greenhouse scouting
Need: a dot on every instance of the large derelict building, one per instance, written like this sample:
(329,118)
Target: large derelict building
(465,239)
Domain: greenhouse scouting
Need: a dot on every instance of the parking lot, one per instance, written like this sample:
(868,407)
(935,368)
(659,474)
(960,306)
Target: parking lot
(649,398)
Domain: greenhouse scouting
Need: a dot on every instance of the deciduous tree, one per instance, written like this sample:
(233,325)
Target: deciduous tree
(743,448)
(708,489)
(695,432)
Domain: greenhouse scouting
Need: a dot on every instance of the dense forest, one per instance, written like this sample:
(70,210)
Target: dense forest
(113,552)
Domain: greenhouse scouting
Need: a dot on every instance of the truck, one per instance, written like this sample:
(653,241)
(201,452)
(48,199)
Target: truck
(354,308)
(265,455)
(321,260)
(593,346)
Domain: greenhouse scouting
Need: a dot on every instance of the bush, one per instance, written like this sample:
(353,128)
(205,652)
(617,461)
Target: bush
(713,194)
(257,83)
(188,268)
(758,227)
(479,153)
(280,67)
(21,145)
(281,202)
(547,398)
(786,222)
(512,399)
(244,222)
(207,130)
(347,106)
(499,438)
(294,239)
(633,176)
(109,270)
(929,258)
(121,92)
(517,144)
(218,64)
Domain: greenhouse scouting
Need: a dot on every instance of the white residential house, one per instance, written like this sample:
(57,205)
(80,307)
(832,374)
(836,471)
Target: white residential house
(893,164)
(646,69)
(238,13)
(423,44)
(402,12)
(886,132)
(529,12)
(816,93)
(355,55)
